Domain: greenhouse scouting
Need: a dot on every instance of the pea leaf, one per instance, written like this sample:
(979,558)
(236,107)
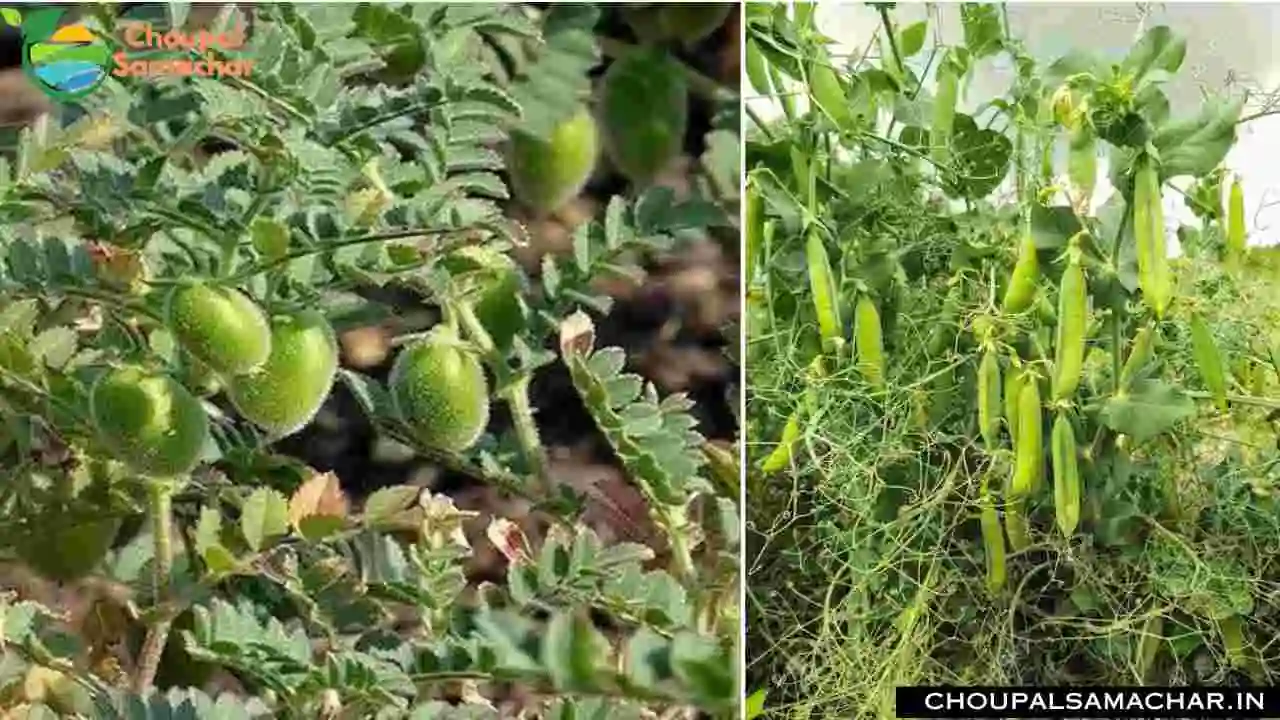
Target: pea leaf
(982,34)
(981,158)
(1150,408)
(1158,49)
(1053,226)
(1197,145)
(911,39)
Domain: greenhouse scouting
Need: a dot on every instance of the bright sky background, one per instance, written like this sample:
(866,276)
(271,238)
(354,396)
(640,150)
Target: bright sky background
(1228,45)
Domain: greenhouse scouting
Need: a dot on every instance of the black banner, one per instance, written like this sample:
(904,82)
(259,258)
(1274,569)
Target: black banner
(1088,702)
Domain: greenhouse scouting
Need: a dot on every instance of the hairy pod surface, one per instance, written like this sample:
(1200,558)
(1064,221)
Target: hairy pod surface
(869,343)
(440,390)
(547,173)
(1012,393)
(285,393)
(1073,321)
(220,326)
(150,421)
(64,548)
(1015,523)
(1022,284)
(1066,476)
(645,110)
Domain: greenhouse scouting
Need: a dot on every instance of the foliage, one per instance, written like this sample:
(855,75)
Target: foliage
(365,152)
(871,561)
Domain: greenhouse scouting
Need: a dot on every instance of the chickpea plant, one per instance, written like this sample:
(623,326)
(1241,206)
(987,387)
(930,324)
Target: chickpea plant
(1011,439)
(177,258)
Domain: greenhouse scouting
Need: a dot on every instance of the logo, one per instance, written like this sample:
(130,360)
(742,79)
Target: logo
(66,62)
(70,61)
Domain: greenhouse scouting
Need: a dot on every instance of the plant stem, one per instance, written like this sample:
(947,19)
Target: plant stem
(263,266)
(161,508)
(517,397)
(760,123)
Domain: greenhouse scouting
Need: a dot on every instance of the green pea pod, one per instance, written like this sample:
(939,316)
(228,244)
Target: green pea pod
(823,285)
(1022,284)
(870,342)
(1232,631)
(1066,476)
(1012,391)
(989,405)
(1015,523)
(828,93)
(780,458)
(1140,353)
(757,69)
(1235,224)
(1029,448)
(992,541)
(754,229)
(1148,647)
(944,113)
(1149,239)
(1082,163)
(1209,361)
(944,330)
(1073,319)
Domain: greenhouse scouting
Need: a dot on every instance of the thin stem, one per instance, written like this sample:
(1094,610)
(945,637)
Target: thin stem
(760,123)
(264,266)
(517,397)
(161,508)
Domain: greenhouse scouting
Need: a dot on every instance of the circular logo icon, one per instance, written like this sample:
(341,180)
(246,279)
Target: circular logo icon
(70,63)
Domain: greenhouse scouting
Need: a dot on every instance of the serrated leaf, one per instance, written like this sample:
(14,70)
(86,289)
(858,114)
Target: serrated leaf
(265,515)
(387,507)
(55,346)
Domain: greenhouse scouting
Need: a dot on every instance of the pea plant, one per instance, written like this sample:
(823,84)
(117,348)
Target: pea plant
(1000,434)
(177,258)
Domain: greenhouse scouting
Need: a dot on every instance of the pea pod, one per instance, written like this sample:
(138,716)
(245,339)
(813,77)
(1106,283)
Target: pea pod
(822,283)
(989,405)
(1149,239)
(944,113)
(870,342)
(1082,163)
(754,230)
(781,455)
(1232,631)
(992,541)
(1073,319)
(1029,449)
(1208,360)
(1235,224)
(1140,353)
(757,69)
(1066,476)
(1022,284)
(1012,391)
(1015,523)
(1148,647)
